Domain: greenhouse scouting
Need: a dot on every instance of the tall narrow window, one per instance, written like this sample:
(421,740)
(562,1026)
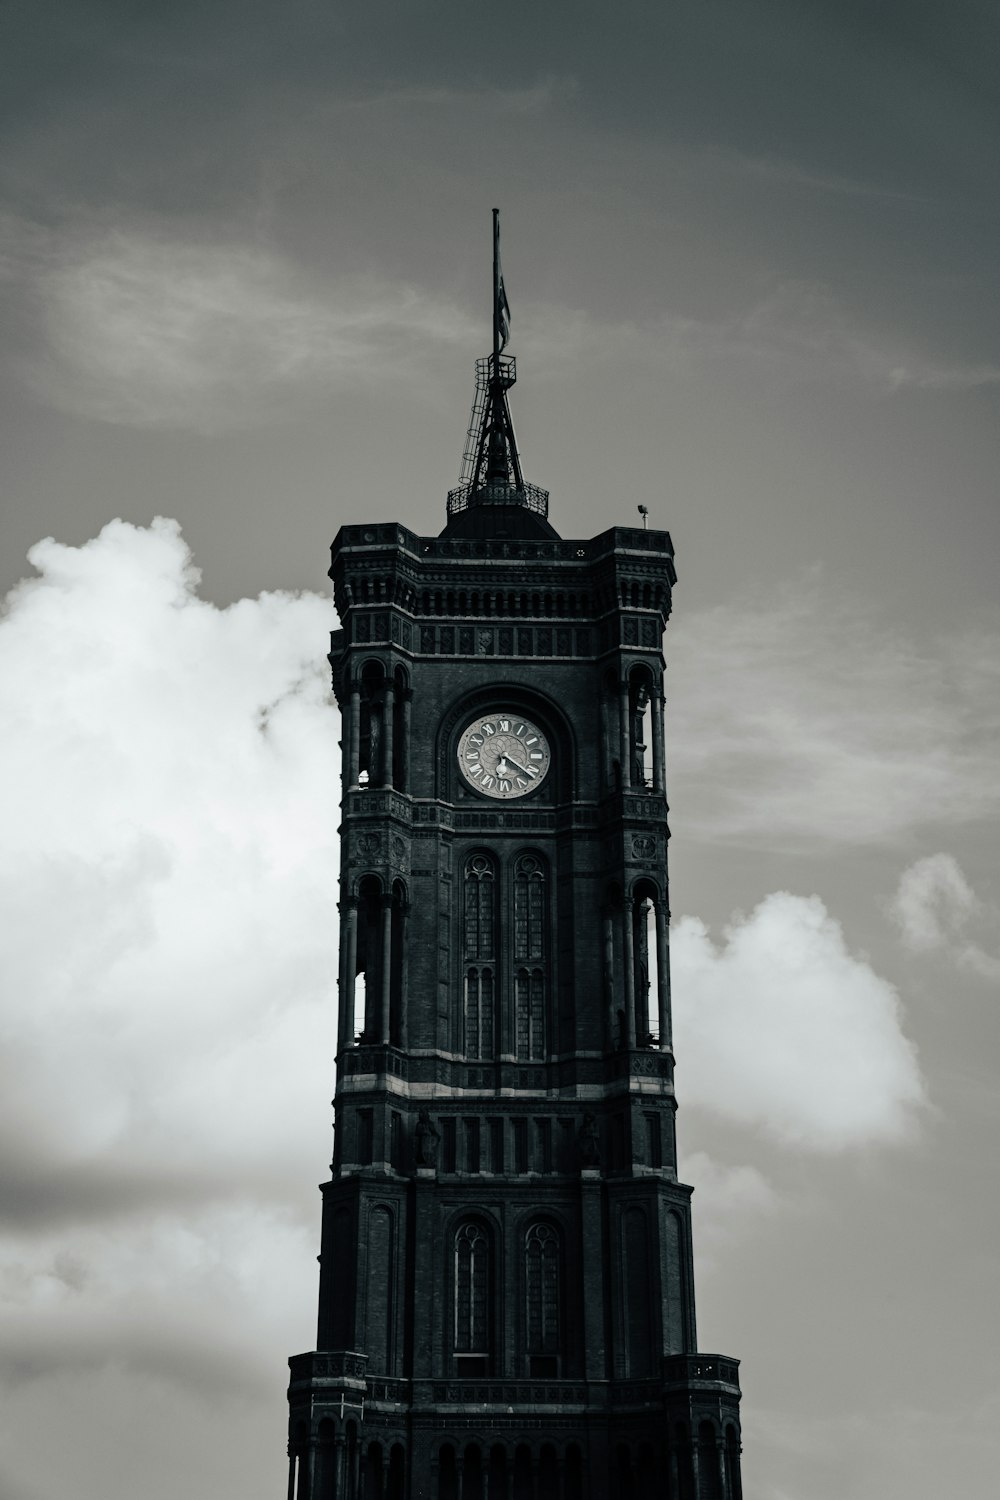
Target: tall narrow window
(542,1299)
(480,957)
(396,963)
(369,957)
(529,908)
(530,957)
(472,1297)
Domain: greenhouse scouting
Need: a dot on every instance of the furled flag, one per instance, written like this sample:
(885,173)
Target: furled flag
(503,312)
(502,306)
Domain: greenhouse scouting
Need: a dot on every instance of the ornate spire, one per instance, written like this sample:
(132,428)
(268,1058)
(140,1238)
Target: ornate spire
(491,468)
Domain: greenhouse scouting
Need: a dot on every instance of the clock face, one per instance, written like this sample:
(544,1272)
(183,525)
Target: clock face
(504,755)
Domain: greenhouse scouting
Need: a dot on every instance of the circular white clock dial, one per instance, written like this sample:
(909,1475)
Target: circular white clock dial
(504,755)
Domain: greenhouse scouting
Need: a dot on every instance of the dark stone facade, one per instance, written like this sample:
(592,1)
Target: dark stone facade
(506,1281)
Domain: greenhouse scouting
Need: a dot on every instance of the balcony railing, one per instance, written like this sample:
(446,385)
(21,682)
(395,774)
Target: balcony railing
(527,495)
(701,1369)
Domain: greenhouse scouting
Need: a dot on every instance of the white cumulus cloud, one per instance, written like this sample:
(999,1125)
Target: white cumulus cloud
(781,1027)
(168,795)
(168,786)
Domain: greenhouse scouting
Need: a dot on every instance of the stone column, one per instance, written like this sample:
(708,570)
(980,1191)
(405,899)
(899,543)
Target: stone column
(356,1470)
(291,1476)
(404,785)
(721,1455)
(641,958)
(628,906)
(609,977)
(339,1467)
(606,753)
(388,730)
(656,711)
(593,1273)
(354,738)
(427,1270)
(386,974)
(348,971)
(404,1027)
(663,976)
(625,734)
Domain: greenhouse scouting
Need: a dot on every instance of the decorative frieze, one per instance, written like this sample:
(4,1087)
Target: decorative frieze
(502,640)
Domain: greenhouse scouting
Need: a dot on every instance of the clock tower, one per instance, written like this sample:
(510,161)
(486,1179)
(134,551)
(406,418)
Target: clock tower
(506,1304)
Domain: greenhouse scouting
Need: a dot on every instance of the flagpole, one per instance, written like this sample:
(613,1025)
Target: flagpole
(496,293)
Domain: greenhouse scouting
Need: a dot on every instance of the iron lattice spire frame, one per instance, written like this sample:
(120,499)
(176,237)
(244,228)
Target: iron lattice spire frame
(491,466)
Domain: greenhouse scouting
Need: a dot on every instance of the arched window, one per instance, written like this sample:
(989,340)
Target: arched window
(480,956)
(529,908)
(529,1005)
(396,963)
(472,1297)
(368,978)
(401,724)
(640,695)
(637,1288)
(542,1257)
(709,1477)
(530,957)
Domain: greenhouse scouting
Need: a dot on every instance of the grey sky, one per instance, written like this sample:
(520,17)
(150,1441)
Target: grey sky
(751,255)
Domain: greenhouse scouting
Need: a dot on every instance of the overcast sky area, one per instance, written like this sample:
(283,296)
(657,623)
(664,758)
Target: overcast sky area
(751,252)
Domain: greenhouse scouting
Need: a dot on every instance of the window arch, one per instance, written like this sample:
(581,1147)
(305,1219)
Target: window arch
(473,1274)
(542,1288)
(479,943)
(531,945)
(709,1477)
(640,694)
(369,959)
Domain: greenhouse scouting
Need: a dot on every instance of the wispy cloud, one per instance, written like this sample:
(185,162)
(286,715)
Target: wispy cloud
(787,173)
(139,329)
(934,907)
(547,91)
(798,332)
(803,326)
(805,720)
(729,1199)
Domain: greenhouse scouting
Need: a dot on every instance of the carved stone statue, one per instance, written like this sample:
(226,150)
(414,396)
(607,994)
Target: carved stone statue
(588,1142)
(428,1138)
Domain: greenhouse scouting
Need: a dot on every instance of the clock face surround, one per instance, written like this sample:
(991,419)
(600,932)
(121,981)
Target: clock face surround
(503,755)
